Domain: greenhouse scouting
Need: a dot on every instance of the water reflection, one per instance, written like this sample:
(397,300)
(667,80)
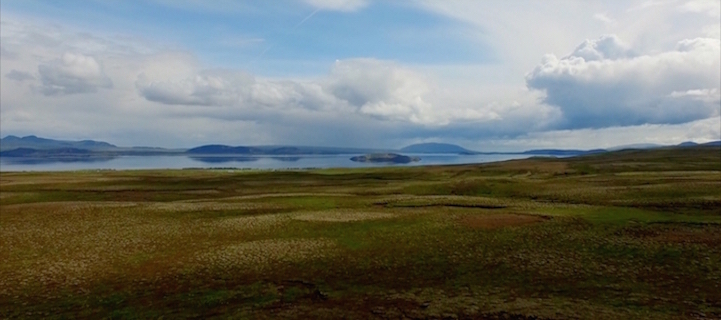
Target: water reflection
(241,162)
(224,159)
(51,160)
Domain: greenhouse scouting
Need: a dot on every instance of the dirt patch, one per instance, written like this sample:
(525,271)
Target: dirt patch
(687,236)
(342,216)
(708,234)
(495,221)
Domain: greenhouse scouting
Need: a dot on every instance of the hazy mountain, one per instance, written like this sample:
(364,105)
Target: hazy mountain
(433,147)
(712,143)
(34,142)
(636,146)
(688,144)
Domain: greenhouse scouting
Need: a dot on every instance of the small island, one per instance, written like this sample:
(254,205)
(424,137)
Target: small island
(385,157)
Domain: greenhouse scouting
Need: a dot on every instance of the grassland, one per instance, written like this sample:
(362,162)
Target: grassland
(625,235)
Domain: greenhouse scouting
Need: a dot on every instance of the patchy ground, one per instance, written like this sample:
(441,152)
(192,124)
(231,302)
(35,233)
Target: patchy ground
(501,220)
(626,235)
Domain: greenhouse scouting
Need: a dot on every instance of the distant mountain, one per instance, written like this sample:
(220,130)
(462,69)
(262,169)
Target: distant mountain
(688,144)
(712,143)
(635,146)
(34,142)
(433,147)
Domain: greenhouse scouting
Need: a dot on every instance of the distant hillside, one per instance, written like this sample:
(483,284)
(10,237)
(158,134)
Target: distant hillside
(635,146)
(433,147)
(34,142)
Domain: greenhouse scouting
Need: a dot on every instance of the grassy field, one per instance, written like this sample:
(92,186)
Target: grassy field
(625,235)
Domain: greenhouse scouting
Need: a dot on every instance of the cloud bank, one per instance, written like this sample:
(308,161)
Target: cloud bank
(68,83)
(603,84)
(72,73)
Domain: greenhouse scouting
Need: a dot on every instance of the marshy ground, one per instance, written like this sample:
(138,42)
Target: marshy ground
(631,234)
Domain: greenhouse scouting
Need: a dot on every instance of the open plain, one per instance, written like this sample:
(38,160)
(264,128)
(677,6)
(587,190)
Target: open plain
(621,235)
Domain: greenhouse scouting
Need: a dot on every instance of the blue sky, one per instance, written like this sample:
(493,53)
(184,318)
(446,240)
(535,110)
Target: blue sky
(501,75)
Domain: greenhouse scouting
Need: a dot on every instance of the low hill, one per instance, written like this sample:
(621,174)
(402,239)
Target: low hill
(385,157)
(34,142)
(433,147)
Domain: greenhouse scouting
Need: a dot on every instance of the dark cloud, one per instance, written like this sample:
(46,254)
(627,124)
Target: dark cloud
(19,75)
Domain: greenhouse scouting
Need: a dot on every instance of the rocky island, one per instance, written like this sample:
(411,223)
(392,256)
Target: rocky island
(385,157)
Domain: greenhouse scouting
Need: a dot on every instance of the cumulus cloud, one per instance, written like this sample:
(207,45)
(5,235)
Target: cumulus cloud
(605,47)
(375,88)
(338,5)
(19,75)
(367,89)
(239,91)
(381,89)
(602,83)
(72,74)
(205,89)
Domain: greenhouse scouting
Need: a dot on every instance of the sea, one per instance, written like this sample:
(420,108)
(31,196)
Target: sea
(290,162)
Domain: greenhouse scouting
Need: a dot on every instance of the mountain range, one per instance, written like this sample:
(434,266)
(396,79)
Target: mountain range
(36,147)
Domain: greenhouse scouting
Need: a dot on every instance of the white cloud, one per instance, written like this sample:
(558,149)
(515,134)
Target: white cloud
(605,47)
(205,89)
(601,85)
(661,76)
(72,73)
(338,5)
(710,7)
(382,89)
(604,18)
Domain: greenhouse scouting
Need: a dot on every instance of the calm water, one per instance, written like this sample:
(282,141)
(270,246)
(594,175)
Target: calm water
(259,162)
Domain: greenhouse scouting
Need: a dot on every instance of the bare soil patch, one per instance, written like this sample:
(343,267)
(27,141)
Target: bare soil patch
(688,236)
(501,220)
(707,234)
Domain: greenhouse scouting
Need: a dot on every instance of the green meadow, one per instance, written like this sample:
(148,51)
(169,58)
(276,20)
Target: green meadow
(622,235)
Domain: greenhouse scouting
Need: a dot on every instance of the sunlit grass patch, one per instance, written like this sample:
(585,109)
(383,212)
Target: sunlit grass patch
(177,206)
(260,255)
(404,200)
(347,215)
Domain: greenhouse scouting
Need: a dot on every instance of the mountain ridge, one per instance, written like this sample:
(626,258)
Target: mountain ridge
(34,146)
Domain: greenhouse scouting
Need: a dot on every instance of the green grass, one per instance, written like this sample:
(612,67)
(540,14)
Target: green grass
(625,235)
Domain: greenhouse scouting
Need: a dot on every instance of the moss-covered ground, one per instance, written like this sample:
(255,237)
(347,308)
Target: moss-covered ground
(623,235)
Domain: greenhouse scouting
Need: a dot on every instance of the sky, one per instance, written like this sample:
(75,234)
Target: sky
(495,75)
